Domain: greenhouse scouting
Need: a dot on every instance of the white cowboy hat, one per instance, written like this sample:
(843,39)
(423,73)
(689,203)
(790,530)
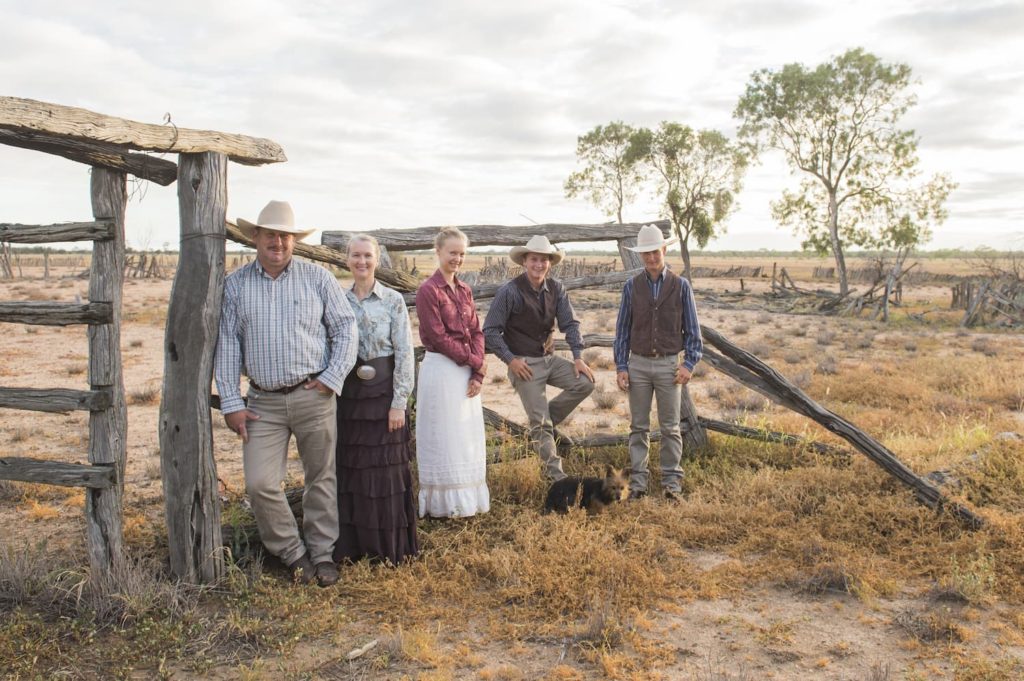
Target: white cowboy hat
(277,216)
(537,244)
(649,239)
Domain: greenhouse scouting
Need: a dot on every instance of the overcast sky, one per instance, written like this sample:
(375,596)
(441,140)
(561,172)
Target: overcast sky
(397,113)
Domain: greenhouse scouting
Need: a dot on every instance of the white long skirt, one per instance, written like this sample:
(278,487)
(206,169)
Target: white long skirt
(450,443)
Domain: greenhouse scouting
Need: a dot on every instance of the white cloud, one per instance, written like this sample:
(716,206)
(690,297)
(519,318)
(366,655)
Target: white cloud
(402,113)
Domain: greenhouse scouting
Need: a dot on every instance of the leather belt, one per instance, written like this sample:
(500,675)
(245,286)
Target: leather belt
(286,389)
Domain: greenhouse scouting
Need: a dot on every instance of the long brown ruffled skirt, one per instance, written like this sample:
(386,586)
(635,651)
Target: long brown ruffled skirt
(376,505)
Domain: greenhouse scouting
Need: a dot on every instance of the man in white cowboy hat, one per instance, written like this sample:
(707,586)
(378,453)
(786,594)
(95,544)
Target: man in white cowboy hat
(286,325)
(657,321)
(519,329)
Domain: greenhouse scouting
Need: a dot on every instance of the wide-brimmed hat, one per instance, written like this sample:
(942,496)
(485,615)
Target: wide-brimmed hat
(649,239)
(278,216)
(537,244)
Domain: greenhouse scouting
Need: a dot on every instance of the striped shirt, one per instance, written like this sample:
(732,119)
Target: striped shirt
(693,348)
(281,331)
(384,329)
(509,301)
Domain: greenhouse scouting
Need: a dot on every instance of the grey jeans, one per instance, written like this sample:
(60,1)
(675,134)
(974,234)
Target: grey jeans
(654,377)
(310,416)
(545,415)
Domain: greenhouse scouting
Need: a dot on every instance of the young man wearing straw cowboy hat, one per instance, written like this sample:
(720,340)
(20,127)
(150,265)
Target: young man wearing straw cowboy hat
(519,329)
(286,325)
(657,320)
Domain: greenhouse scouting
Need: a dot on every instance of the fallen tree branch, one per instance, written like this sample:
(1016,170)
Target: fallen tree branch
(775,386)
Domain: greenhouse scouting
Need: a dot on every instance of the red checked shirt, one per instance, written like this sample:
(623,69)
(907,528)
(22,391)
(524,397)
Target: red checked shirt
(449,324)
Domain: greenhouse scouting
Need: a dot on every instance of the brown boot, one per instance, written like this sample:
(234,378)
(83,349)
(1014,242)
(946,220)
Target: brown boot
(302,570)
(326,573)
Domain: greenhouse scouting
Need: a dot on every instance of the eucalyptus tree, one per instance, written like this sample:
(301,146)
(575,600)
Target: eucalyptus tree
(611,176)
(838,125)
(699,173)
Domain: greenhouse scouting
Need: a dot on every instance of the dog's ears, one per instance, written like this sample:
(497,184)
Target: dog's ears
(608,470)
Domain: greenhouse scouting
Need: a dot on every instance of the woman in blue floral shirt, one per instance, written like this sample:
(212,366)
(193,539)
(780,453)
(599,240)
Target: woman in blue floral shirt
(376,506)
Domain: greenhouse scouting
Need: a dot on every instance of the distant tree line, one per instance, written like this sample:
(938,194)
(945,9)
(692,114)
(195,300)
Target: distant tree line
(836,125)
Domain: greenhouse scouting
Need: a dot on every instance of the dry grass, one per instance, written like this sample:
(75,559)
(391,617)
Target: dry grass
(522,581)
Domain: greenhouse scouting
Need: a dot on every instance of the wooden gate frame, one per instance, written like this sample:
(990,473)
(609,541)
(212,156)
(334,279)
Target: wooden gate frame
(105,143)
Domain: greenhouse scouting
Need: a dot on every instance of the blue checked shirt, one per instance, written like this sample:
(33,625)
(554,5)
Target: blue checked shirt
(278,332)
(508,301)
(693,348)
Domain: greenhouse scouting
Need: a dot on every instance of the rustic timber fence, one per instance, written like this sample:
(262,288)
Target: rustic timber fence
(106,143)
(990,300)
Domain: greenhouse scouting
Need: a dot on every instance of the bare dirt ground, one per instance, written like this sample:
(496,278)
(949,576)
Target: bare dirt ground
(769,632)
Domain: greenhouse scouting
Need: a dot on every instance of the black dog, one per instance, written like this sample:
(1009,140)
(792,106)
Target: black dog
(593,494)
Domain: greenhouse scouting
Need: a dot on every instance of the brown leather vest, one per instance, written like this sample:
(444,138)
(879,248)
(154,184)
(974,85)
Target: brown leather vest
(657,324)
(530,332)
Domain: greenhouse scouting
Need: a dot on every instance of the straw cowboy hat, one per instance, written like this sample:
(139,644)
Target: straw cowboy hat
(278,216)
(536,244)
(649,239)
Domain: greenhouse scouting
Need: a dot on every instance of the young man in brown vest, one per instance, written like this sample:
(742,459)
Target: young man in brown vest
(657,320)
(519,329)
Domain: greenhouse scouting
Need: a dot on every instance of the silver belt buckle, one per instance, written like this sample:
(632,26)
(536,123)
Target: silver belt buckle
(366,372)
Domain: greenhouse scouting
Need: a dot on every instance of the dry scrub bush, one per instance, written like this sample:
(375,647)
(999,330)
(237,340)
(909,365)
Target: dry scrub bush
(760,349)
(125,594)
(793,357)
(9,491)
(801,379)
(144,396)
(825,337)
(597,358)
(740,329)
(983,668)
(996,477)
(983,346)
(861,342)
(931,627)
(971,580)
(605,398)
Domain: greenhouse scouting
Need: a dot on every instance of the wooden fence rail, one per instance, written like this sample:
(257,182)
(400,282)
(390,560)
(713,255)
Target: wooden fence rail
(54,400)
(57,473)
(56,314)
(96,230)
(422,238)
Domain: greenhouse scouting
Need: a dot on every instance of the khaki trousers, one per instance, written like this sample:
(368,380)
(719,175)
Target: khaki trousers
(544,415)
(654,377)
(310,416)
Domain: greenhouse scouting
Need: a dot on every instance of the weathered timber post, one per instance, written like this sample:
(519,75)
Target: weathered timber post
(695,437)
(107,427)
(186,435)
